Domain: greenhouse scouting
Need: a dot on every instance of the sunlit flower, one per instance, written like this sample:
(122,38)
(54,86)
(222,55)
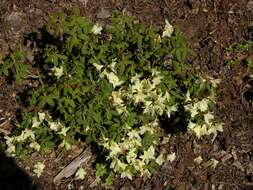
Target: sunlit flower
(118,165)
(65,144)
(170,110)
(126,174)
(188,96)
(113,79)
(160,159)
(25,135)
(208,117)
(138,165)
(171,157)
(64,131)
(39,168)
(114,149)
(199,130)
(35,146)
(148,154)
(97,66)
(203,104)
(42,116)
(35,122)
(133,134)
(55,126)
(168,29)
(96,29)
(10,146)
(81,173)
(198,160)
(58,72)
(131,155)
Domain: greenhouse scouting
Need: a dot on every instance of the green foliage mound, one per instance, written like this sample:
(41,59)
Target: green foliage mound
(119,87)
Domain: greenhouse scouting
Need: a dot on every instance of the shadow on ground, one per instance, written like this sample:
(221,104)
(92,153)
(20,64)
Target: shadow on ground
(12,177)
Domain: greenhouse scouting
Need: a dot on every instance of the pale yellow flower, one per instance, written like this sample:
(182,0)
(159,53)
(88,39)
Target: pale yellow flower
(160,159)
(35,146)
(39,168)
(42,116)
(55,126)
(168,29)
(126,174)
(208,117)
(35,122)
(96,29)
(97,66)
(64,131)
(25,135)
(81,173)
(171,157)
(114,149)
(58,72)
(198,160)
(148,155)
(131,155)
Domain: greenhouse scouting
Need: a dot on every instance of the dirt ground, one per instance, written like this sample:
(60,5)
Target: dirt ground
(209,27)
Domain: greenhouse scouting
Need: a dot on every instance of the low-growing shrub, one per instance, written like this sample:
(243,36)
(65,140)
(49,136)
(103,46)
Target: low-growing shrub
(112,86)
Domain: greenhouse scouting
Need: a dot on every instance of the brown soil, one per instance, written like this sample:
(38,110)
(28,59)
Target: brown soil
(209,27)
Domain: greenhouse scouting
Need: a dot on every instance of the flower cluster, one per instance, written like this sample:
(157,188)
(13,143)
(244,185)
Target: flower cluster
(202,120)
(29,135)
(128,157)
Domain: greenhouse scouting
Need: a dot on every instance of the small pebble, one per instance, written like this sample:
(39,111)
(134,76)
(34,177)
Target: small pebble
(103,14)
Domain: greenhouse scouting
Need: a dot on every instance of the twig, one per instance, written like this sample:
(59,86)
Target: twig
(71,168)
(5,132)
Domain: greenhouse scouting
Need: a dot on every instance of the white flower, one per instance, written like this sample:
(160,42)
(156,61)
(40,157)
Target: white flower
(114,149)
(81,173)
(118,165)
(148,154)
(65,144)
(35,146)
(58,72)
(160,159)
(146,172)
(168,29)
(96,29)
(35,122)
(203,104)
(25,135)
(63,131)
(135,78)
(138,165)
(116,96)
(171,109)
(133,134)
(55,126)
(113,79)
(188,96)
(42,116)
(97,66)
(193,109)
(126,174)
(11,147)
(198,160)
(214,162)
(213,129)
(208,117)
(39,168)
(131,155)
(171,157)
(215,82)
(112,65)
(199,130)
